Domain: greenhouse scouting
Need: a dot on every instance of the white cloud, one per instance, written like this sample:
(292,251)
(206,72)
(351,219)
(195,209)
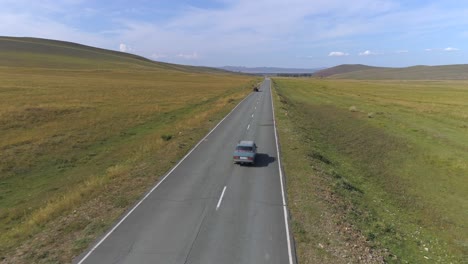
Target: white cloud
(451,49)
(401,51)
(123,47)
(338,54)
(293,19)
(448,49)
(367,53)
(190,56)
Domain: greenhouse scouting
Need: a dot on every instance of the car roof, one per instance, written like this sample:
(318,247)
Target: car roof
(246,143)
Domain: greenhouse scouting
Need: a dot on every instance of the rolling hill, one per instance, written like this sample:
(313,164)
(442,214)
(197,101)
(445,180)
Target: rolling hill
(363,72)
(45,53)
(342,69)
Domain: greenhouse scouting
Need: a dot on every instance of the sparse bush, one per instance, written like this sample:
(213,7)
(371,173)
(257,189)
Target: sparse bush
(353,108)
(318,156)
(166,137)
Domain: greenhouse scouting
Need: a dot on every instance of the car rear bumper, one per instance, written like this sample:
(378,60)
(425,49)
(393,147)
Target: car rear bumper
(244,161)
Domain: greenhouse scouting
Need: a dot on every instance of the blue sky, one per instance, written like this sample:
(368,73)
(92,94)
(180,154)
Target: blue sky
(292,33)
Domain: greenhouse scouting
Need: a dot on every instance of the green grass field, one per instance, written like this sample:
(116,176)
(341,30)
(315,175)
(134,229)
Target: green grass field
(384,161)
(85,132)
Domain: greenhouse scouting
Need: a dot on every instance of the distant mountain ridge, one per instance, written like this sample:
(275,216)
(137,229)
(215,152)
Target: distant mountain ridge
(419,72)
(269,70)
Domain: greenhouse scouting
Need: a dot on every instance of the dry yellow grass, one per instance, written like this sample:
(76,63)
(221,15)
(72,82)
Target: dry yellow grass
(74,136)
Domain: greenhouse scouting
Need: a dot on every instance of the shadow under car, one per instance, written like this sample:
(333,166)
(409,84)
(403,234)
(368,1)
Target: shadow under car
(261,160)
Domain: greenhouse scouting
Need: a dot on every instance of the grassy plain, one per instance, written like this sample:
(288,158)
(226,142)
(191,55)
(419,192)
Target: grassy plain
(80,144)
(385,162)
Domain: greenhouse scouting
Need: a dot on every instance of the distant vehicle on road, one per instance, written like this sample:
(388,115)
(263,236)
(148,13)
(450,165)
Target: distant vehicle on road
(245,152)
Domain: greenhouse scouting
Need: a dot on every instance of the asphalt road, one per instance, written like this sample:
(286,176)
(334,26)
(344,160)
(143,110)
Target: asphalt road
(207,209)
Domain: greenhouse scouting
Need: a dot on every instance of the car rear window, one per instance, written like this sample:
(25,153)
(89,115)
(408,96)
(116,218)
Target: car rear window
(244,149)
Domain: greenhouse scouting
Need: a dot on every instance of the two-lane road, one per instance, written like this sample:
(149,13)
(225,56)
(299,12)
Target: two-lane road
(207,209)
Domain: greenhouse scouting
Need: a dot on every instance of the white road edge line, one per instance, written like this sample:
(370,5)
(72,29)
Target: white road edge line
(220,198)
(156,186)
(285,211)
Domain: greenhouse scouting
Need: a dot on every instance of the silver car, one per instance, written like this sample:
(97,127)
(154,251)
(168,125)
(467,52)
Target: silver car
(245,152)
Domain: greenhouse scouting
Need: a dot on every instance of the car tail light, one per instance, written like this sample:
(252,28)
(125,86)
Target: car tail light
(236,157)
(250,158)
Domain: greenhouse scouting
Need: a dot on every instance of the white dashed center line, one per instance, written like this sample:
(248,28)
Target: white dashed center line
(220,198)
